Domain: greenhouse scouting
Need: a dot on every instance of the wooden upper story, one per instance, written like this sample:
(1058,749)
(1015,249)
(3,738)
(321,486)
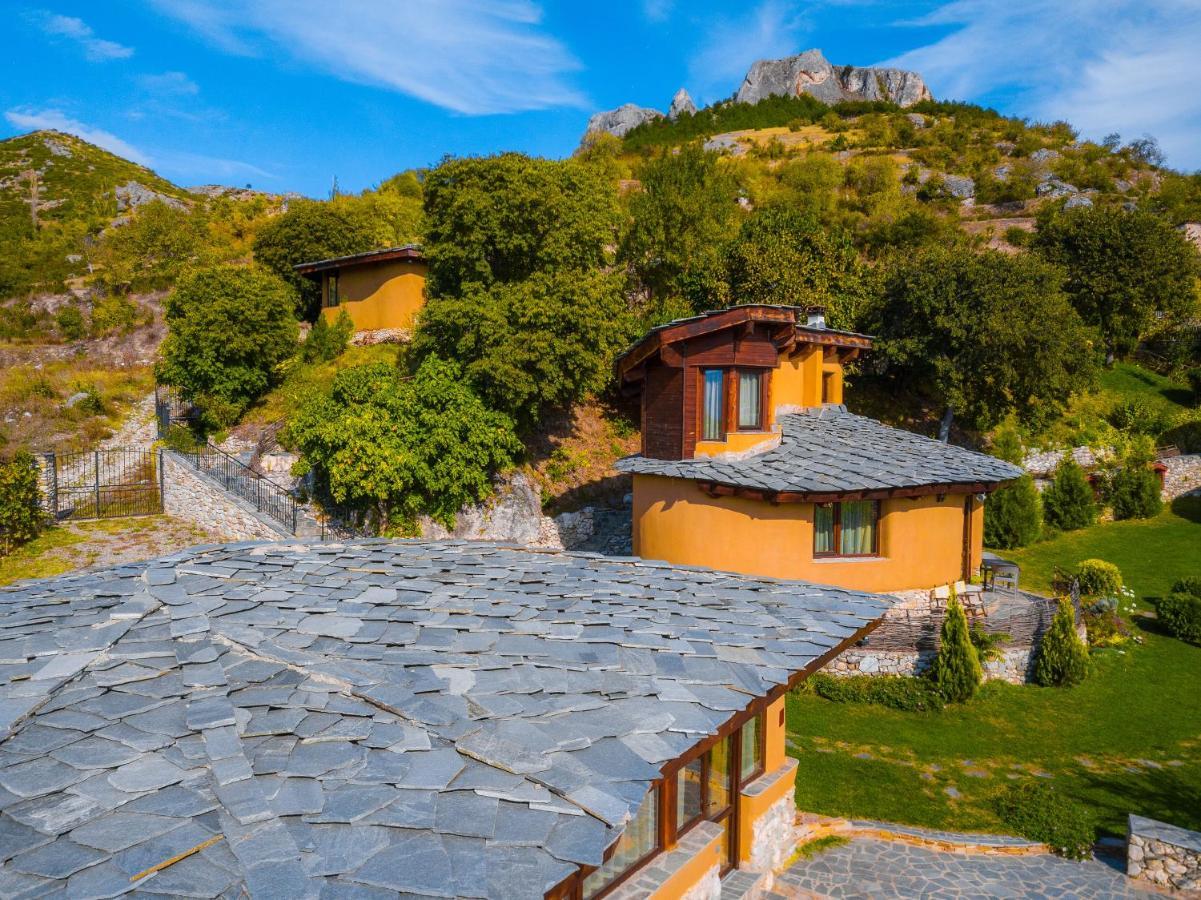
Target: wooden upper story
(716,383)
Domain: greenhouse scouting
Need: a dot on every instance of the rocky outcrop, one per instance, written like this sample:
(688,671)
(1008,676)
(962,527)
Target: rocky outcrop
(1192,233)
(131,195)
(811,73)
(681,103)
(622,120)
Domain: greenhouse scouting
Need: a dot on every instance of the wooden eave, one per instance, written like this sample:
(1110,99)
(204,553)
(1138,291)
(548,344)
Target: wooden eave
(371,257)
(717,489)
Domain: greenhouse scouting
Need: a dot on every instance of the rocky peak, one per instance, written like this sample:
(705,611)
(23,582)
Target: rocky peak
(681,103)
(811,73)
(621,120)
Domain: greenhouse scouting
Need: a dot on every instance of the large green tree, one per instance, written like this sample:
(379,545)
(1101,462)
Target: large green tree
(781,256)
(985,334)
(683,214)
(308,231)
(228,330)
(1125,270)
(398,447)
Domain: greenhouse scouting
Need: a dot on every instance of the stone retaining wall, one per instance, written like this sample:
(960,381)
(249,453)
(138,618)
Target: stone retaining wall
(1015,665)
(1164,854)
(194,497)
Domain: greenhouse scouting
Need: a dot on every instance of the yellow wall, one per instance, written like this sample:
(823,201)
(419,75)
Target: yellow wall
(921,540)
(383,295)
(735,442)
(690,874)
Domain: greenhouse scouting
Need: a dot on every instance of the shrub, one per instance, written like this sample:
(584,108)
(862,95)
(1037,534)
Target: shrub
(21,516)
(1013,515)
(1134,491)
(893,691)
(1180,614)
(114,313)
(956,671)
(988,644)
(1136,416)
(1062,657)
(229,328)
(1099,578)
(1190,584)
(1068,502)
(92,401)
(1105,627)
(324,341)
(1035,810)
(399,447)
(71,324)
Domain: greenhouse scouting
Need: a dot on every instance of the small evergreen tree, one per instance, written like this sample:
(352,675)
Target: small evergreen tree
(1013,515)
(324,341)
(21,516)
(1062,657)
(1134,491)
(1068,502)
(957,671)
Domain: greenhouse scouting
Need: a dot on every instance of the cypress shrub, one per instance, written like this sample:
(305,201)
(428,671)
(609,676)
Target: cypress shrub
(1013,515)
(1062,656)
(1180,614)
(1099,578)
(956,671)
(1068,502)
(1134,491)
(21,516)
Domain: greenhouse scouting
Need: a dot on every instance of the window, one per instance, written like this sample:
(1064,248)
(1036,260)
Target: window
(751,762)
(331,290)
(750,401)
(713,427)
(689,781)
(639,840)
(827,386)
(849,528)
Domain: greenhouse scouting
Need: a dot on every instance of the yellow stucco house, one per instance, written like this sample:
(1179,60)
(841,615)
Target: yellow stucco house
(751,463)
(381,290)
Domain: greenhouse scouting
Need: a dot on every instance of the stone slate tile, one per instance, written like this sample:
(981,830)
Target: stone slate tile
(177,801)
(147,773)
(415,863)
(410,809)
(151,852)
(120,830)
(16,837)
(337,849)
(96,752)
(353,802)
(39,776)
(58,860)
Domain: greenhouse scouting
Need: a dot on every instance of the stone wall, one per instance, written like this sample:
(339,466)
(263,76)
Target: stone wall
(773,835)
(194,497)
(1015,665)
(1164,854)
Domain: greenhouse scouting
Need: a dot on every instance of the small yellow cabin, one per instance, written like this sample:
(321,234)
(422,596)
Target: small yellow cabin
(381,290)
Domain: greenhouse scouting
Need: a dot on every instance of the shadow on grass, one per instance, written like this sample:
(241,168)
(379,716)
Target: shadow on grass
(1164,794)
(1188,508)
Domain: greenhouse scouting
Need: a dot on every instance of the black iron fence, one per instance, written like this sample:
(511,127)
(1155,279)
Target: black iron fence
(103,484)
(270,499)
(171,409)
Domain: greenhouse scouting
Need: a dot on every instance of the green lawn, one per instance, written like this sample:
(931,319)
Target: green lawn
(1127,740)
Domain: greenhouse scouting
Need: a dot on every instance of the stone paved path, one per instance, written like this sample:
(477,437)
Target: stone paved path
(871,868)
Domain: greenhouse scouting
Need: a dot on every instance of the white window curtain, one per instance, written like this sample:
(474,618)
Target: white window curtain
(713,429)
(823,528)
(858,527)
(748,400)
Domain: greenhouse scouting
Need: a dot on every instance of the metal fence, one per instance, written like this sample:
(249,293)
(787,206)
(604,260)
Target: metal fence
(171,409)
(266,496)
(103,484)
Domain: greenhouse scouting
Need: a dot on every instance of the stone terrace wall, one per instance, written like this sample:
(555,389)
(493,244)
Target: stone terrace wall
(1016,664)
(194,497)
(1164,855)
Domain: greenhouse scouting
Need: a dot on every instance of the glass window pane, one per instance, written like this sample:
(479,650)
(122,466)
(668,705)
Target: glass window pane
(719,778)
(688,793)
(748,400)
(637,841)
(858,527)
(332,296)
(752,761)
(713,429)
(823,528)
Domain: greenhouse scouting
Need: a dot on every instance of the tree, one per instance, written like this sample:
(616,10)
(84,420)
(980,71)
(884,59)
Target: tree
(400,447)
(957,672)
(535,344)
(228,330)
(309,231)
(783,257)
(1068,501)
(1134,491)
(1013,515)
(1062,657)
(325,341)
(683,215)
(501,219)
(151,250)
(21,515)
(1123,270)
(984,333)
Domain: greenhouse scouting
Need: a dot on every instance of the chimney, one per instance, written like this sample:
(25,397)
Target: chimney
(815,317)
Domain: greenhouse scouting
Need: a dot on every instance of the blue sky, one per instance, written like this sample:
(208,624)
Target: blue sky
(288,94)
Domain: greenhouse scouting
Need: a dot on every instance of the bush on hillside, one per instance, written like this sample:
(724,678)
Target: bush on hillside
(893,691)
(1138,416)
(1134,491)
(396,447)
(228,330)
(1068,501)
(1190,584)
(956,672)
(1013,515)
(324,341)
(1062,657)
(71,324)
(1098,578)
(1037,811)
(1180,614)
(21,515)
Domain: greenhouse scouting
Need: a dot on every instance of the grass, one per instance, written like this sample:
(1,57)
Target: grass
(812,848)
(1127,740)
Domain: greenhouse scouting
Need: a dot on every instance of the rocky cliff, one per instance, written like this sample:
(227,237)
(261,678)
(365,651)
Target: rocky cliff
(811,73)
(618,121)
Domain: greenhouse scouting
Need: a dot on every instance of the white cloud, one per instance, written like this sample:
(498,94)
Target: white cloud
(75,29)
(57,120)
(169,83)
(1102,65)
(771,29)
(658,10)
(209,169)
(469,56)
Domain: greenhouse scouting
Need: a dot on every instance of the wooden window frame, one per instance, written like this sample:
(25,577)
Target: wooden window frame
(763,376)
(837,553)
(658,790)
(331,290)
(760,745)
(725,402)
(730,397)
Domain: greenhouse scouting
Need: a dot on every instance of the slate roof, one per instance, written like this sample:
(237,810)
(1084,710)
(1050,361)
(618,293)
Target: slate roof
(829,450)
(361,719)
